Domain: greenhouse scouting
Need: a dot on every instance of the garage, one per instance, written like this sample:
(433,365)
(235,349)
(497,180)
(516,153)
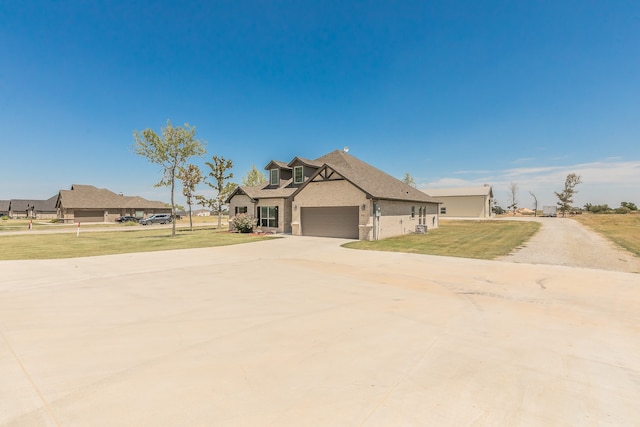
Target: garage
(331,221)
(89,216)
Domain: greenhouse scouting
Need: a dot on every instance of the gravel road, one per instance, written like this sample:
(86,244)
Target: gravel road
(563,241)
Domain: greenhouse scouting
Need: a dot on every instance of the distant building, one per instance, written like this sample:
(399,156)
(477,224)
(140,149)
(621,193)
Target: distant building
(86,203)
(29,208)
(464,202)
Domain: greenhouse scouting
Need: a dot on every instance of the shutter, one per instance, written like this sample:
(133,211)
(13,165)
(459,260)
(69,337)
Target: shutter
(276,215)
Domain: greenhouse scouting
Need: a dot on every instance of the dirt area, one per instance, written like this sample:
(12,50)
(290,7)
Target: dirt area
(563,241)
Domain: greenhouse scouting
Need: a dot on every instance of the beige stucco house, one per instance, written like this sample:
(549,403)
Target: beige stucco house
(336,195)
(464,202)
(86,203)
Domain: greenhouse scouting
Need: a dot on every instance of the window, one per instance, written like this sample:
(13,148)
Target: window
(413,212)
(268,216)
(298,177)
(420,214)
(443,210)
(275,177)
(241,209)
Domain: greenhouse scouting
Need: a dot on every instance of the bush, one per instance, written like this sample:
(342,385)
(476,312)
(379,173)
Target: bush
(623,210)
(4,217)
(243,223)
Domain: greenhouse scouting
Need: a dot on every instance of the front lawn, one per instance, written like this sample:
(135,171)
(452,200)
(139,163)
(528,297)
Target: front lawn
(67,245)
(466,239)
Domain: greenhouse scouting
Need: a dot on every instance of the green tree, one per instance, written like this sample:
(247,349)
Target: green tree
(254,177)
(629,205)
(565,197)
(408,179)
(217,180)
(171,150)
(190,177)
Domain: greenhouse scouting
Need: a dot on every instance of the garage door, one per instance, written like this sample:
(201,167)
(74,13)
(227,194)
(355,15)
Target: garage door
(89,216)
(335,221)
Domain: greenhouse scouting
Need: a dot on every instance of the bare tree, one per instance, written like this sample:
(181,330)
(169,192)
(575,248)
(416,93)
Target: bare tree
(535,199)
(513,191)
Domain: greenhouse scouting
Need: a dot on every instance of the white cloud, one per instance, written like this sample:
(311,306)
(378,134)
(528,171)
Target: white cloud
(609,181)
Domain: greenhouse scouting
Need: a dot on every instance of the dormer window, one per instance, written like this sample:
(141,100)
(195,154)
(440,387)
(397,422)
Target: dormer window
(275,177)
(298,176)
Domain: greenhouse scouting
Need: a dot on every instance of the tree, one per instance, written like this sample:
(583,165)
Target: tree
(254,177)
(190,177)
(535,199)
(513,191)
(218,177)
(408,179)
(171,150)
(565,197)
(629,205)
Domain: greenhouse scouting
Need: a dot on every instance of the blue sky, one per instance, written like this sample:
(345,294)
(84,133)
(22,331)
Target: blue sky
(456,93)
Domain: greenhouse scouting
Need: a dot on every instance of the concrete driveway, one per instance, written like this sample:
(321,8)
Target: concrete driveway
(300,332)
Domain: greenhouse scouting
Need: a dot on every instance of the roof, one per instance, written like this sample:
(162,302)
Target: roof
(371,180)
(484,190)
(306,162)
(278,165)
(90,197)
(374,182)
(22,205)
(4,205)
(264,191)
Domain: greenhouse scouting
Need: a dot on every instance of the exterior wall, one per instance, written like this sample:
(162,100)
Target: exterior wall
(332,193)
(240,200)
(395,218)
(466,206)
(284,215)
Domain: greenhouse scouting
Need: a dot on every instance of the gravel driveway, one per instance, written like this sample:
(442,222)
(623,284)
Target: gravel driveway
(563,241)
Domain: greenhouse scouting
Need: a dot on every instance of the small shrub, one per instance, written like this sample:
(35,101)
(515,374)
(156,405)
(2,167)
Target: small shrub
(623,210)
(54,221)
(4,217)
(243,223)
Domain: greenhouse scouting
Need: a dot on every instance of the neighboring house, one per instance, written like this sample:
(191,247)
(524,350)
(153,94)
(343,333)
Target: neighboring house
(86,203)
(336,195)
(36,209)
(467,202)
(202,212)
(4,207)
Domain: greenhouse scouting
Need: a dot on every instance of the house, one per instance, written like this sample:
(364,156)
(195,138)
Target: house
(31,208)
(86,203)
(336,195)
(4,207)
(466,202)
(202,212)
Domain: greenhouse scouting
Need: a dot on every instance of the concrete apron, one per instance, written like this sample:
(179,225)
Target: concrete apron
(298,331)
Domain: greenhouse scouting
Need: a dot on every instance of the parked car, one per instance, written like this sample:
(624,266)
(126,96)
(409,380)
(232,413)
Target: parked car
(156,219)
(127,218)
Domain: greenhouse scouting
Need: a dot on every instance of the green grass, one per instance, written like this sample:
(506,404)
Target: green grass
(67,245)
(466,239)
(623,230)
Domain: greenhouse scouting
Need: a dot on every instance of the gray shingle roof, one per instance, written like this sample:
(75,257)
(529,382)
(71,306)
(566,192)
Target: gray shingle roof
(90,197)
(278,165)
(4,205)
(22,205)
(371,180)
